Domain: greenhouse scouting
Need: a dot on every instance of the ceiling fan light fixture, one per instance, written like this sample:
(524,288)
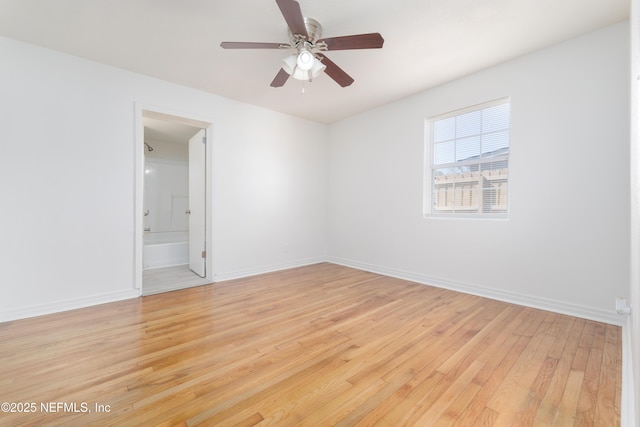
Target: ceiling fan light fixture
(318,67)
(299,74)
(305,60)
(305,36)
(291,64)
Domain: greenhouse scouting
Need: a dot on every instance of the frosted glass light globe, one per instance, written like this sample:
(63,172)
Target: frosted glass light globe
(305,60)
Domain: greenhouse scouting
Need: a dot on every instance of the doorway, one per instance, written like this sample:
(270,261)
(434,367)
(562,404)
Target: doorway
(172,214)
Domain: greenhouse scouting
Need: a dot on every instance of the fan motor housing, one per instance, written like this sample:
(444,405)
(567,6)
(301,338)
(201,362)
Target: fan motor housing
(314,30)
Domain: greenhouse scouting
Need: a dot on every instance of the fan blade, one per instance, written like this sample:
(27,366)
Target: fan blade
(281,78)
(252,45)
(293,16)
(335,72)
(357,41)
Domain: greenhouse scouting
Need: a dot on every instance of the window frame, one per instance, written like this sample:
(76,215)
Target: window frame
(429,166)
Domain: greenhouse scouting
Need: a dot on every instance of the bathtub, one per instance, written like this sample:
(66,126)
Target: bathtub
(166,249)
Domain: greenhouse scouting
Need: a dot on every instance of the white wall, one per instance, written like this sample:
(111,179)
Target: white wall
(631,355)
(67,179)
(166,194)
(565,245)
(67,182)
(270,191)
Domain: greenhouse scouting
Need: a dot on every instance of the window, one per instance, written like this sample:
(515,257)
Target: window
(467,170)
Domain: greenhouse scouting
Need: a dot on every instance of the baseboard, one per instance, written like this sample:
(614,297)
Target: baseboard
(65,305)
(239,274)
(561,307)
(71,304)
(525,300)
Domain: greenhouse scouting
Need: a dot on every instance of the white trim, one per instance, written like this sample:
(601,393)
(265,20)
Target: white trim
(627,399)
(191,119)
(585,312)
(65,305)
(631,366)
(239,274)
(469,109)
(429,167)
(560,307)
(84,302)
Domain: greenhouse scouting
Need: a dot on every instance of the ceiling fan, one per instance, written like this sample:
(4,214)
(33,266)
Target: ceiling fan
(304,36)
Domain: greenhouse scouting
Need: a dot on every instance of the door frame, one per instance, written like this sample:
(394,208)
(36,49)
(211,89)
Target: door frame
(161,113)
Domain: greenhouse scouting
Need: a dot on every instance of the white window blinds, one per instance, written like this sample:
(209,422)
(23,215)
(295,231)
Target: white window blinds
(468,167)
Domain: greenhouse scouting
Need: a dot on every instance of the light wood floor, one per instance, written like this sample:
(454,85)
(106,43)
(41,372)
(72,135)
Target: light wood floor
(321,345)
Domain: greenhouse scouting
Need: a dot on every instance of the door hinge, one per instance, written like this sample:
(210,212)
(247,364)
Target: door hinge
(204,140)
(204,254)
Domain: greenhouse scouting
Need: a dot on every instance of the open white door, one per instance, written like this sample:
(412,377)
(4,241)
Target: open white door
(197,203)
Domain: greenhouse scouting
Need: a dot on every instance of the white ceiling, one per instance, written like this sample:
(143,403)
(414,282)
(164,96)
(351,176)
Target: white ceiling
(427,42)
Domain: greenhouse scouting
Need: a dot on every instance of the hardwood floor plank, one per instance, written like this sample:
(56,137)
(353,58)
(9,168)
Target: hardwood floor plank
(551,401)
(332,412)
(360,410)
(526,416)
(443,345)
(486,418)
(569,403)
(425,374)
(311,346)
(450,394)
(511,351)
(455,410)
(585,412)
(518,382)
